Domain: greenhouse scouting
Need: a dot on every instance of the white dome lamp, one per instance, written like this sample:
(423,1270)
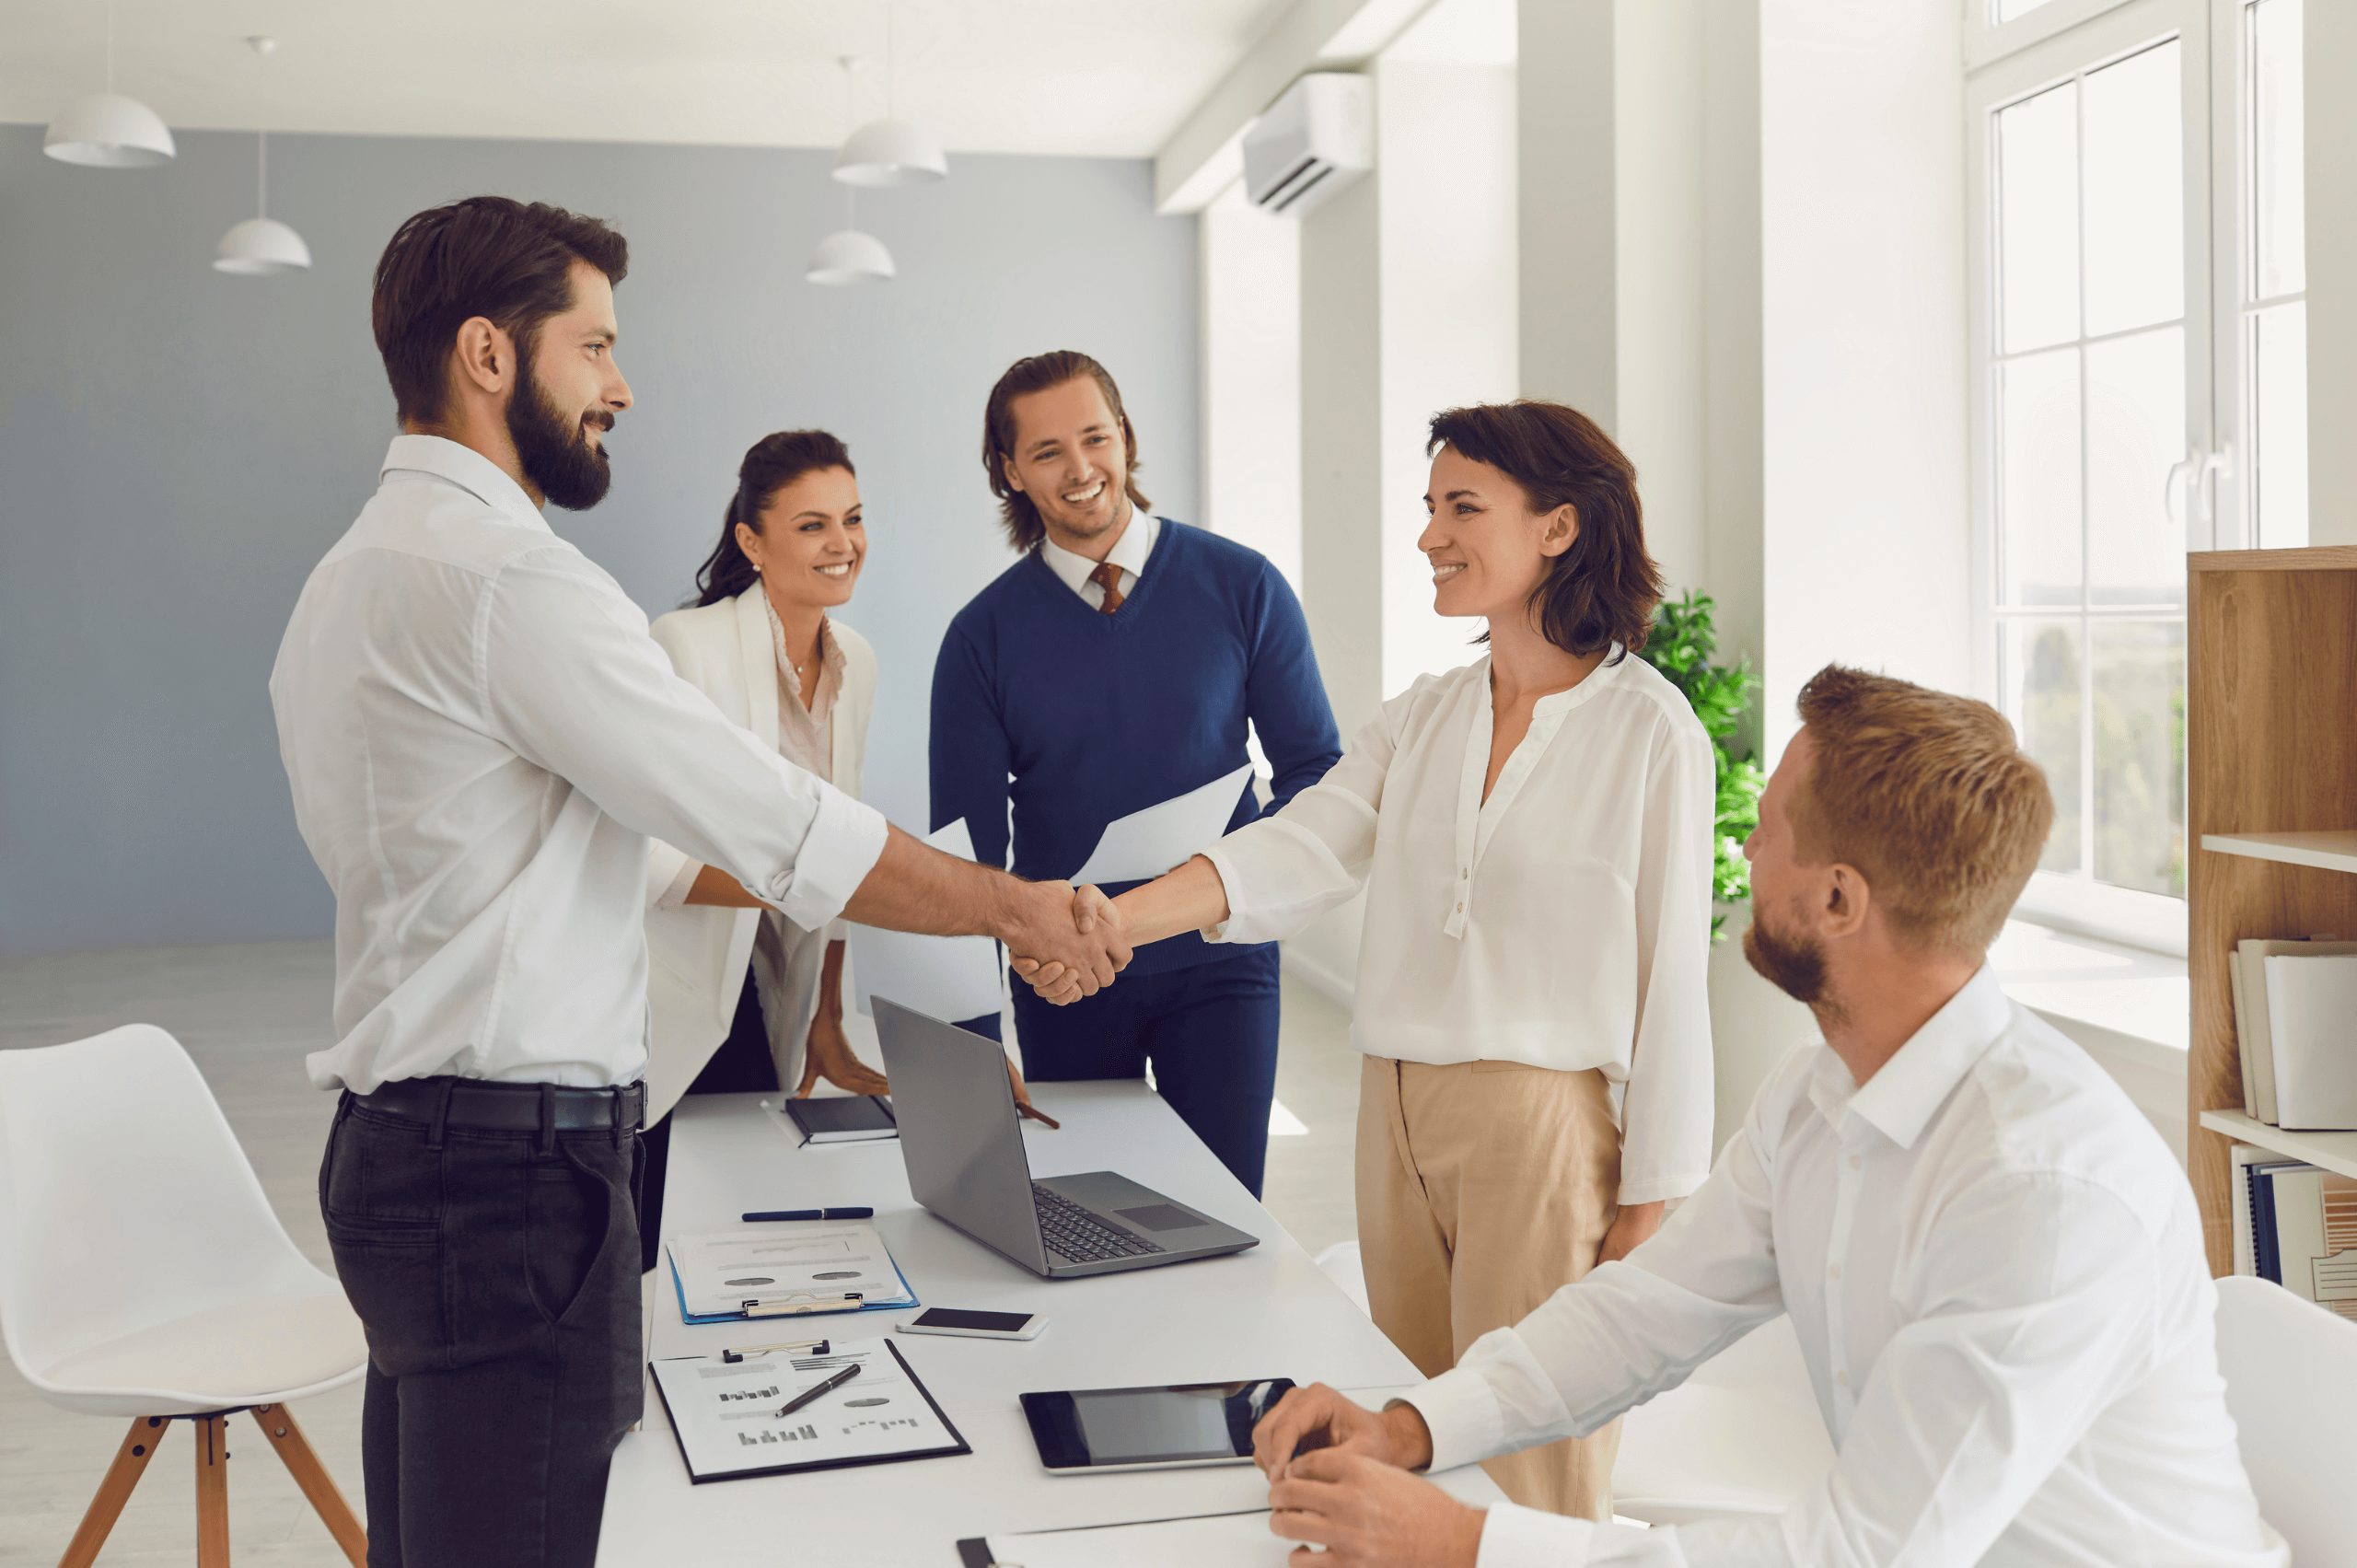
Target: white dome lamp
(262,244)
(849,255)
(107,130)
(891,151)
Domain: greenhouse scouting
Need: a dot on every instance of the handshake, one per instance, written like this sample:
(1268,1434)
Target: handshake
(1066,943)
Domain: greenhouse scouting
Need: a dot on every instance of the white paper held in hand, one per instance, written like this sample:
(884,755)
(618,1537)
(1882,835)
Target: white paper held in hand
(952,978)
(1161,837)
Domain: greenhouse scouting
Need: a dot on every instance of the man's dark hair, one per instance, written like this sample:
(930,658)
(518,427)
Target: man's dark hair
(774,462)
(486,256)
(1037,373)
(1602,590)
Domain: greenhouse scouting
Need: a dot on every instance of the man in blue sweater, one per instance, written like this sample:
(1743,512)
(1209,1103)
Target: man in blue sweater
(1116,665)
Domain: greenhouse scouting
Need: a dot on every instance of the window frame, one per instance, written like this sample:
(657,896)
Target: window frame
(2006,64)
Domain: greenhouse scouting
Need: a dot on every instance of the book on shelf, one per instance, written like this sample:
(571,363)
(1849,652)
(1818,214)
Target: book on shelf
(2296,1224)
(2311,1039)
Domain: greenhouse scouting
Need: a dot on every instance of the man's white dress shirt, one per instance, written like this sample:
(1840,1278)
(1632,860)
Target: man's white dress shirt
(1996,1273)
(1128,556)
(480,734)
(1563,923)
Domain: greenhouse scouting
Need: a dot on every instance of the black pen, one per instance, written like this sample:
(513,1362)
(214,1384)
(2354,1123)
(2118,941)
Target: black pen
(861,1213)
(829,1387)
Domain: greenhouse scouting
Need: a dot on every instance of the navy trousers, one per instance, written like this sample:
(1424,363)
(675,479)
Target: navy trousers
(1209,1030)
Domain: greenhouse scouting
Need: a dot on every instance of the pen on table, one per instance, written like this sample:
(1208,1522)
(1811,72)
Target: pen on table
(861,1211)
(815,1347)
(829,1387)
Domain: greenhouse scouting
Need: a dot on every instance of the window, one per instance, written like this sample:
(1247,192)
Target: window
(2140,364)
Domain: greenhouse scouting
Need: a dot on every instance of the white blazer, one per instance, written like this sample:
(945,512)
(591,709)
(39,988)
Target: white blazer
(698,954)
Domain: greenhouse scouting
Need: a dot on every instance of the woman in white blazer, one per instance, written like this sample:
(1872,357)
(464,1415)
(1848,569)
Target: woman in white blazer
(739,998)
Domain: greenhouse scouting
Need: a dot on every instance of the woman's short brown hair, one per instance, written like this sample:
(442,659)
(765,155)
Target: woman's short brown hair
(1037,373)
(507,261)
(1929,795)
(1602,590)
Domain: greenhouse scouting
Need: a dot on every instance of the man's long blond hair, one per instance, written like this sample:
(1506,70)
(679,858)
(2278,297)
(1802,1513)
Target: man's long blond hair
(1929,795)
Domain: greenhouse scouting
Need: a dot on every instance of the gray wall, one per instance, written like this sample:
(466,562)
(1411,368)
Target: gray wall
(177,447)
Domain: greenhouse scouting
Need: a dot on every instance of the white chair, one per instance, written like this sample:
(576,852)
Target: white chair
(2290,1371)
(144,1275)
(1742,1435)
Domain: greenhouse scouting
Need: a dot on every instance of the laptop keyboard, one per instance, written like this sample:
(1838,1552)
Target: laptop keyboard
(1072,1232)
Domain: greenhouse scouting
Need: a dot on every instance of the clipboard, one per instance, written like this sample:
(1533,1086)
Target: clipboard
(695,1319)
(956,1444)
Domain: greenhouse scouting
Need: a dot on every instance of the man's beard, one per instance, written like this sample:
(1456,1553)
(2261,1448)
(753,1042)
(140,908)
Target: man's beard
(1793,965)
(555,448)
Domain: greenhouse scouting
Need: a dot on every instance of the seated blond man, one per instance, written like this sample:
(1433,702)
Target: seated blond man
(1992,1260)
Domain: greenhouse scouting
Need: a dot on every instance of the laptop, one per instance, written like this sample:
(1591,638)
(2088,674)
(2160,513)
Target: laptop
(963,1145)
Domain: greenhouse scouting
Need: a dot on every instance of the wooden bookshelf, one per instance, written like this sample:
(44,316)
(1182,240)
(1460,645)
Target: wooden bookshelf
(2271,760)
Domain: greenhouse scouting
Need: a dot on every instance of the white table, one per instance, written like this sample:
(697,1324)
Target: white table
(1267,1312)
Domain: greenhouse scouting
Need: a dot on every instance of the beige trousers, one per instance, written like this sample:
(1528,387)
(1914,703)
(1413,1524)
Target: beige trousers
(1483,1188)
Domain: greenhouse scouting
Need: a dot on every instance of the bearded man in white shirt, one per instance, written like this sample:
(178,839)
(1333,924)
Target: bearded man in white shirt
(480,737)
(1992,1261)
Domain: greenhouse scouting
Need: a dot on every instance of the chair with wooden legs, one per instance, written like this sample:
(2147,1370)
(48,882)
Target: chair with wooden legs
(144,1275)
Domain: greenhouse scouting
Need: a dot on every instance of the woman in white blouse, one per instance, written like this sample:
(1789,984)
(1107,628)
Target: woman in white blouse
(1534,834)
(738,997)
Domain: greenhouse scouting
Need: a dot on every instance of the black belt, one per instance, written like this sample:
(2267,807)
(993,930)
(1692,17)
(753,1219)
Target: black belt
(510,1107)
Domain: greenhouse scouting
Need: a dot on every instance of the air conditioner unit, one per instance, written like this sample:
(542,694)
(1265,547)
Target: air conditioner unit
(1313,141)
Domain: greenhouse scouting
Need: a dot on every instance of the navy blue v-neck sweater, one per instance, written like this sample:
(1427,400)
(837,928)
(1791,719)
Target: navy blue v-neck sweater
(1098,715)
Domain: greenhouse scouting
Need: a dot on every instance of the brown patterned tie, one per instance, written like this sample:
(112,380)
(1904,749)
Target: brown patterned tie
(1109,577)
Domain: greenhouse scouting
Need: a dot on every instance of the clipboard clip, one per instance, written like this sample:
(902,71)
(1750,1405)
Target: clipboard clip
(800,1301)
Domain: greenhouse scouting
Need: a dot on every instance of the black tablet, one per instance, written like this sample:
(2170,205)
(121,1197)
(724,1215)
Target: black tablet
(1150,1429)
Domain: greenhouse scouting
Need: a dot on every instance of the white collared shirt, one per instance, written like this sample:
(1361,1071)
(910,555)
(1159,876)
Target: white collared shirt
(1564,922)
(1129,555)
(480,734)
(1995,1270)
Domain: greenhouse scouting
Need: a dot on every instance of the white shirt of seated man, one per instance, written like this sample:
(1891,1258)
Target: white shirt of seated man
(1992,1261)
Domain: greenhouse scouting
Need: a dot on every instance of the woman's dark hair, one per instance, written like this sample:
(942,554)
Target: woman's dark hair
(774,462)
(1602,590)
(504,261)
(1037,373)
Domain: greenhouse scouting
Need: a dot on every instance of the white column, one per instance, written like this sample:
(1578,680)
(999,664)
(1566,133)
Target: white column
(2331,110)
(1251,378)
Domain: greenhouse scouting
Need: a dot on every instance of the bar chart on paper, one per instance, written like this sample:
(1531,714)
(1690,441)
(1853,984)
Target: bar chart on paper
(731,1417)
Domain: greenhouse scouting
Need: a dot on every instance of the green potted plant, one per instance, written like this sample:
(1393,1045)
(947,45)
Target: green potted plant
(1680,646)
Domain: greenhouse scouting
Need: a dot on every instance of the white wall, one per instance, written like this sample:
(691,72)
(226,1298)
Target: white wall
(1866,528)
(1251,378)
(2331,108)
(1445,163)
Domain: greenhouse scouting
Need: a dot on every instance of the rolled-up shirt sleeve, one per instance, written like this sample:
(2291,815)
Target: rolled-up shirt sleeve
(1286,869)
(570,679)
(1666,1110)
(670,875)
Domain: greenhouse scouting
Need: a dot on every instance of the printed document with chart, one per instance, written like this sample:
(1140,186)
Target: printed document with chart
(782,1266)
(726,1413)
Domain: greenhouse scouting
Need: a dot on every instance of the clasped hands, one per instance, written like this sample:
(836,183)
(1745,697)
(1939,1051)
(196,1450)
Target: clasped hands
(1339,1479)
(1067,943)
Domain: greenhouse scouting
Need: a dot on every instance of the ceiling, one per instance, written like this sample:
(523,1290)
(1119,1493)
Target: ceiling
(1101,77)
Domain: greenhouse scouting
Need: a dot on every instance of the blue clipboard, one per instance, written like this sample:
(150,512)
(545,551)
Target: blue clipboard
(679,1292)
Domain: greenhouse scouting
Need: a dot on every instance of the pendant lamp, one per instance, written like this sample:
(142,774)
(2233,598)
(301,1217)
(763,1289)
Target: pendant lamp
(848,256)
(260,245)
(107,130)
(891,151)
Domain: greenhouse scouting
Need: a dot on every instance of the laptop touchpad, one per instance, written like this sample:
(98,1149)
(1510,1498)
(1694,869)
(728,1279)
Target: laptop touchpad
(1158,1216)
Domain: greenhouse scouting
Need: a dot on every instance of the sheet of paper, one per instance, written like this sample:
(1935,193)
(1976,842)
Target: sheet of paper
(1149,842)
(952,978)
(727,1417)
(720,1271)
(1233,1540)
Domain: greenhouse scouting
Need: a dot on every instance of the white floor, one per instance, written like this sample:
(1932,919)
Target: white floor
(247,1015)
